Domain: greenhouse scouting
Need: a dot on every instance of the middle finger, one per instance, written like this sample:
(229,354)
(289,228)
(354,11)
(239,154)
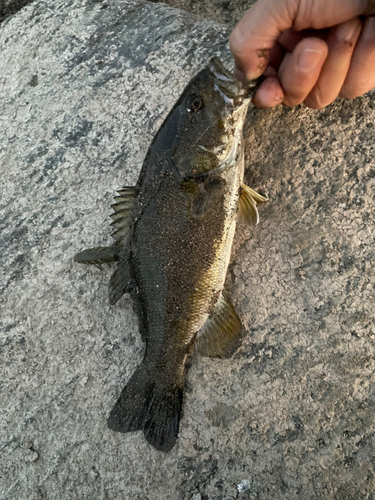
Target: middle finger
(300,70)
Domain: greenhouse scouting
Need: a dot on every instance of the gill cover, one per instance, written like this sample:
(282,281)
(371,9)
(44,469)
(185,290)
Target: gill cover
(203,131)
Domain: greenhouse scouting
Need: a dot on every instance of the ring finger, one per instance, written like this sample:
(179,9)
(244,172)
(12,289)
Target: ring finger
(361,74)
(341,42)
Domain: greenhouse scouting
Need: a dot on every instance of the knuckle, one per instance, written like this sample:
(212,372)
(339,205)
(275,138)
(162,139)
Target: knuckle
(355,89)
(313,104)
(350,93)
(292,100)
(317,99)
(344,94)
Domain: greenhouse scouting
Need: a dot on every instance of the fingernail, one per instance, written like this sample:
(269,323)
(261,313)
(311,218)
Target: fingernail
(308,60)
(368,32)
(346,31)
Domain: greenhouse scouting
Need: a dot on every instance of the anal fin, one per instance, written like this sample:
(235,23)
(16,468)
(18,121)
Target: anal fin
(247,205)
(220,336)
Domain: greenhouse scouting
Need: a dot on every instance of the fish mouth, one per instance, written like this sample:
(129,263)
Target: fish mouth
(230,89)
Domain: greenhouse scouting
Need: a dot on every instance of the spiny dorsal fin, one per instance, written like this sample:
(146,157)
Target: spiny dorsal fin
(98,255)
(122,215)
(221,334)
(247,205)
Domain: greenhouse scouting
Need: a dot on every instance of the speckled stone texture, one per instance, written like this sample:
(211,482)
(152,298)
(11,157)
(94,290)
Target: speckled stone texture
(11,7)
(223,11)
(84,87)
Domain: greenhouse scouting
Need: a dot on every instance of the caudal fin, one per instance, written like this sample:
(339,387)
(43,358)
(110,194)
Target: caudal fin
(147,404)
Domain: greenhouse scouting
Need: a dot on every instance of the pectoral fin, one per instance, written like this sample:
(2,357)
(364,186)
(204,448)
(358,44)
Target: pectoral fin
(122,215)
(220,336)
(99,255)
(247,205)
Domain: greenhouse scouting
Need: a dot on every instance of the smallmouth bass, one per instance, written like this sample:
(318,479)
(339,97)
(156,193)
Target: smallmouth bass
(172,244)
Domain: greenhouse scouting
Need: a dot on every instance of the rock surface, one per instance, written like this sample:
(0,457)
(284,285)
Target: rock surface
(222,11)
(84,87)
(11,7)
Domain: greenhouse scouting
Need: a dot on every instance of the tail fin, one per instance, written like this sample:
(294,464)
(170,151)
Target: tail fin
(146,404)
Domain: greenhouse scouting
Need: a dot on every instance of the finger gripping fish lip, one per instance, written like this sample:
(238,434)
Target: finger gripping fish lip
(232,91)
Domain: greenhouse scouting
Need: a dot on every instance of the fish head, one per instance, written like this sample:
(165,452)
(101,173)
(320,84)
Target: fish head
(208,120)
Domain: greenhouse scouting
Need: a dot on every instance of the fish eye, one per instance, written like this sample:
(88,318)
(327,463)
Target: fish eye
(196,103)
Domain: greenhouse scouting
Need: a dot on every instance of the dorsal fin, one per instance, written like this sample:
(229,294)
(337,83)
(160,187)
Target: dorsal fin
(121,217)
(221,334)
(247,205)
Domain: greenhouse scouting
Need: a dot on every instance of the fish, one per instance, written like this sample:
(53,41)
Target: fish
(173,234)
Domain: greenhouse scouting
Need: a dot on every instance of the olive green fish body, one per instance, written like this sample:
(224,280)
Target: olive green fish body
(173,239)
(179,257)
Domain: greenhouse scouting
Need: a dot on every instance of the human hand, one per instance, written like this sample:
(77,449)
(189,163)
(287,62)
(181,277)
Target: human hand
(310,51)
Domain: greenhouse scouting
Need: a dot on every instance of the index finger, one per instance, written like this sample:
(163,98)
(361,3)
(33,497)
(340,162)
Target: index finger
(257,32)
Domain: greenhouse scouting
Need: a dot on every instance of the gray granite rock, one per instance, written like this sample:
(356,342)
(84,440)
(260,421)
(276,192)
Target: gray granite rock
(11,7)
(84,87)
(222,11)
